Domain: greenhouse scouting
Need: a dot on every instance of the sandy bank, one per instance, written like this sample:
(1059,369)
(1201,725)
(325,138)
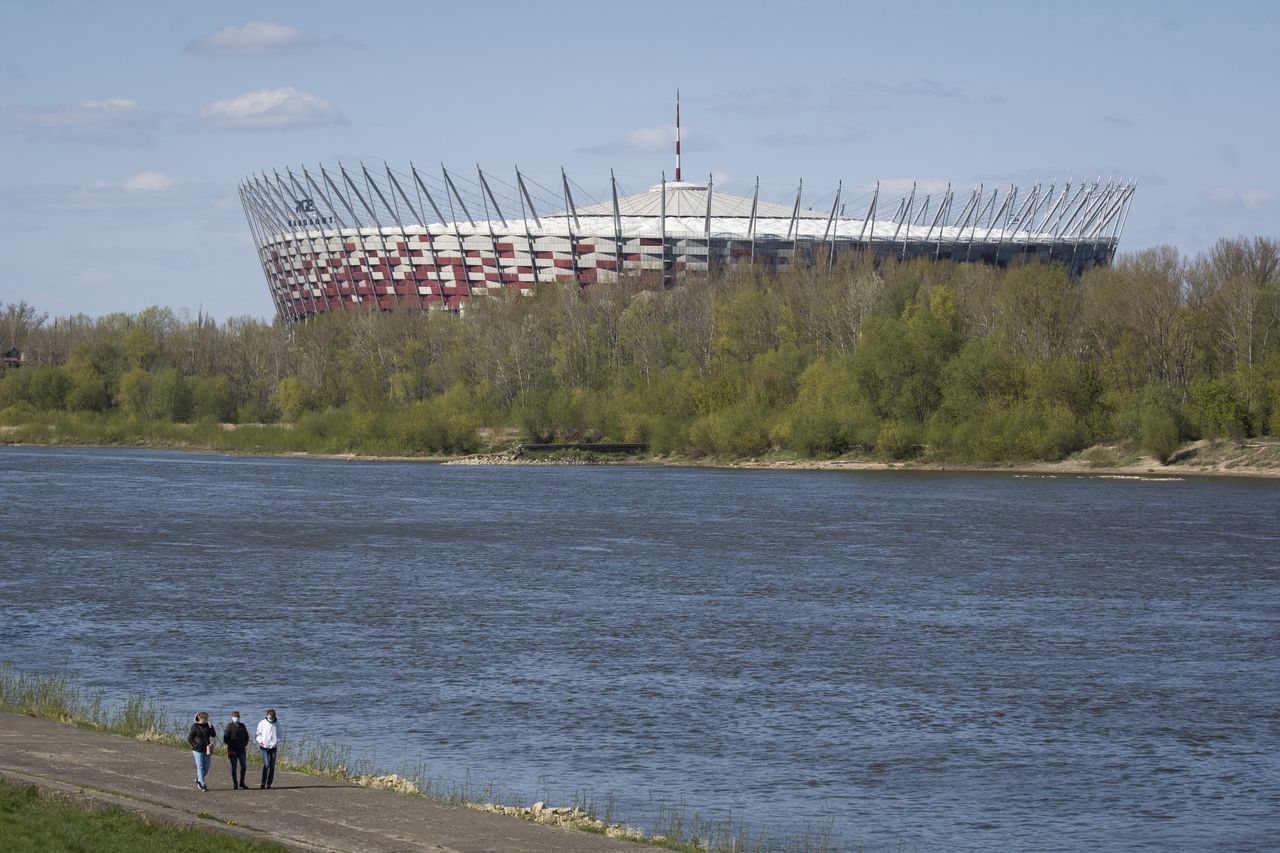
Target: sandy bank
(1254,458)
(1202,458)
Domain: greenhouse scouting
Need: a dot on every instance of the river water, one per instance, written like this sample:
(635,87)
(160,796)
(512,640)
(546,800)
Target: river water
(919,661)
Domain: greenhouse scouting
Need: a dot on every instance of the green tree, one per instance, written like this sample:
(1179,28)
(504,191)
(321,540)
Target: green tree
(15,387)
(88,391)
(170,397)
(897,364)
(1039,311)
(49,388)
(135,391)
(142,348)
(981,377)
(211,398)
(293,398)
(1160,422)
(1216,410)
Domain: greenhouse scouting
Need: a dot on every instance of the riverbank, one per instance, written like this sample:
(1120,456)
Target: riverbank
(300,811)
(1214,458)
(71,745)
(1255,458)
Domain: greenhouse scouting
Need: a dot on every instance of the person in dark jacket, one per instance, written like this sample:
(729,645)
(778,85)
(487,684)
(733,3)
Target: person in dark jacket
(202,737)
(236,737)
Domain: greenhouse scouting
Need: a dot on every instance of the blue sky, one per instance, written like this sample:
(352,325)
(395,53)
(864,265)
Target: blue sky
(124,127)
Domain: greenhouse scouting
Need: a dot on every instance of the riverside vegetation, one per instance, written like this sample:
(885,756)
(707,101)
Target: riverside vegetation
(48,822)
(933,361)
(31,822)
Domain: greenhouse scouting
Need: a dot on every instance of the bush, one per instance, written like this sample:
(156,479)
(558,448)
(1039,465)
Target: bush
(135,391)
(1160,434)
(15,387)
(293,398)
(211,398)
(431,427)
(896,440)
(1216,410)
(170,397)
(88,392)
(49,388)
(1273,423)
(1161,425)
(737,431)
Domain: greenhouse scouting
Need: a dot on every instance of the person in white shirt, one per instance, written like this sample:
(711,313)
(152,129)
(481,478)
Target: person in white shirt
(269,737)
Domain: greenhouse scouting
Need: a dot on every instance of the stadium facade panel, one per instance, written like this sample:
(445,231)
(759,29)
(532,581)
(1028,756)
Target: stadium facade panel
(355,239)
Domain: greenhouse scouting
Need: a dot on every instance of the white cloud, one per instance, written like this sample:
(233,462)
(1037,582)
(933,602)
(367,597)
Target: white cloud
(285,108)
(146,182)
(651,140)
(643,140)
(149,196)
(112,121)
(1250,198)
(256,38)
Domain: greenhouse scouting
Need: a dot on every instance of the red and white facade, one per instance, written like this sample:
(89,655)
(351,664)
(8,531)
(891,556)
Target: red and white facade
(353,239)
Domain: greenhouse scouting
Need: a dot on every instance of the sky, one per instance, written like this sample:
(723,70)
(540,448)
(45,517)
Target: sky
(125,126)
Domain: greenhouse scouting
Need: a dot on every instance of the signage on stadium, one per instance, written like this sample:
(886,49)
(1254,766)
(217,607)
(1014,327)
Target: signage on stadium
(305,206)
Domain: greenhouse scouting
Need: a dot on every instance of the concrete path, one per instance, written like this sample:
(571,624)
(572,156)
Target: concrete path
(302,812)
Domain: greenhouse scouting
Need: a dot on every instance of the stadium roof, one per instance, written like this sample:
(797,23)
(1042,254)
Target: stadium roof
(689,199)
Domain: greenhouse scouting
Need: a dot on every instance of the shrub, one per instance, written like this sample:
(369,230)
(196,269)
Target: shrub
(49,388)
(211,398)
(740,430)
(1216,410)
(1160,422)
(15,388)
(170,397)
(293,398)
(896,440)
(135,390)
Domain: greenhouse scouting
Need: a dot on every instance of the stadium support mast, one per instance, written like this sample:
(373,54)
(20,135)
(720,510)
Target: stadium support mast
(677,136)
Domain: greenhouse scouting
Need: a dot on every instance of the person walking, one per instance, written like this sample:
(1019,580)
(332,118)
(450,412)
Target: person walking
(269,736)
(236,737)
(202,738)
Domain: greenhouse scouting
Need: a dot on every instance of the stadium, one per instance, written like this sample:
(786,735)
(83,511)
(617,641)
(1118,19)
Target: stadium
(343,239)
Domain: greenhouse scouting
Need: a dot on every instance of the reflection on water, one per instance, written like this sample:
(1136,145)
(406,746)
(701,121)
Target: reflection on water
(950,661)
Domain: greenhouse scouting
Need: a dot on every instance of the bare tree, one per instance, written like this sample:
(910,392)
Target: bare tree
(1238,284)
(17,321)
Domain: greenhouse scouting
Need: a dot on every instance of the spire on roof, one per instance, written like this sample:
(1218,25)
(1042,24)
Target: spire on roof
(677,136)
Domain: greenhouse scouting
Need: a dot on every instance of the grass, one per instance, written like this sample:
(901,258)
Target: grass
(674,825)
(57,697)
(32,822)
(340,432)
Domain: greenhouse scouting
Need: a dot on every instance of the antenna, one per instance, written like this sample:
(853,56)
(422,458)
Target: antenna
(677,136)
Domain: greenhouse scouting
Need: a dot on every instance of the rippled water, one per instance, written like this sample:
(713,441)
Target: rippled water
(945,661)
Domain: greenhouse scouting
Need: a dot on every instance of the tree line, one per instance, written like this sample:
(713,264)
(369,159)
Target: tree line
(945,360)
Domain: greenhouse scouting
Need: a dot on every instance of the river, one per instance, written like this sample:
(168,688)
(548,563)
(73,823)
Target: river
(918,661)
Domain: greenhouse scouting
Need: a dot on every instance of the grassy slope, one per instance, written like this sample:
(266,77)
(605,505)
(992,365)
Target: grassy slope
(31,822)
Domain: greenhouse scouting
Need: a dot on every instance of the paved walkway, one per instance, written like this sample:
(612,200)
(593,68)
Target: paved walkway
(302,812)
